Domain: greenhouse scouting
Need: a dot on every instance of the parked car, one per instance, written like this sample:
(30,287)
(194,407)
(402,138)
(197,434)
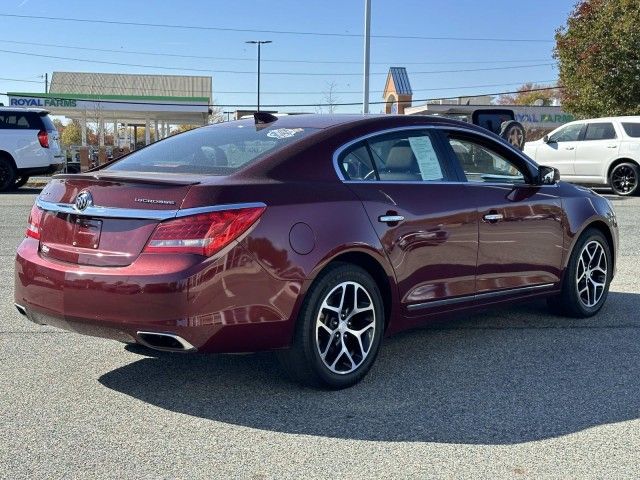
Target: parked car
(312,235)
(501,121)
(29,145)
(596,152)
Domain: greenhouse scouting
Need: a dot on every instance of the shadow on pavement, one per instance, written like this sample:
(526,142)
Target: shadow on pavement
(23,191)
(503,377)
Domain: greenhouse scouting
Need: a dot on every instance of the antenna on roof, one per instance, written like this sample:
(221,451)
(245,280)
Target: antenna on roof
(263,117)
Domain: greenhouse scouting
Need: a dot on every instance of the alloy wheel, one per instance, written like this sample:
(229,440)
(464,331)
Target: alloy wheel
(591,273)
(6,177)
(624,179)
(345,327)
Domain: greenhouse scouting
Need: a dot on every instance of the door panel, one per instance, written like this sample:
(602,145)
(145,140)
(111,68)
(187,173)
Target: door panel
(560,155)
(592,156)
(434,249)
(598,146)
(521,244)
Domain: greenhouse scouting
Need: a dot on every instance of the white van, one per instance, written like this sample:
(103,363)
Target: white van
(29,145)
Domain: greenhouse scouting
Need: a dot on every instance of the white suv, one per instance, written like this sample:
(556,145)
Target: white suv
(600,151)
(29,145)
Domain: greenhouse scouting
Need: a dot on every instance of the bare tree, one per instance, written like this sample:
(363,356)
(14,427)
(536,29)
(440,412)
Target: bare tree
(329,99)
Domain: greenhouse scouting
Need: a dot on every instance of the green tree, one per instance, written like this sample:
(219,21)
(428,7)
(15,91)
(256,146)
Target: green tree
(182,128)
(598,53)
(71,134)
(529,94)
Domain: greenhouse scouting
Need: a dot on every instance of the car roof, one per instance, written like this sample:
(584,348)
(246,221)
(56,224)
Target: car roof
(325,121)
(40,111)
(632,118)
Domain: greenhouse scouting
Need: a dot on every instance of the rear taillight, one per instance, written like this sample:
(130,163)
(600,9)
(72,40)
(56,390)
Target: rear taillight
(33,228)
(43,138)
(204,234)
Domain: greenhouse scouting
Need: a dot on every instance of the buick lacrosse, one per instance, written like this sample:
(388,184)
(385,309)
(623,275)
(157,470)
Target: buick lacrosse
(315,236)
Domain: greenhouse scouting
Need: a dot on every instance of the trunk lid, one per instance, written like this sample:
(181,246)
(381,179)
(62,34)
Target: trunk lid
(114,234)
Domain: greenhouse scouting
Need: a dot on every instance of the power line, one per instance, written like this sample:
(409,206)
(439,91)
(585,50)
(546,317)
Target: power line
(345,92)
(317,104)
(242,59)
(342,74)
(279,32)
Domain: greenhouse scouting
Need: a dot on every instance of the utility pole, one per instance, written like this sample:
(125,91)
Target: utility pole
(259,43)
(46,83)
(367,43)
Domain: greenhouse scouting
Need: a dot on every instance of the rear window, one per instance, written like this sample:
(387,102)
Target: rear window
(492,121)
(48,124)
(218,150)
(632,129)
(20,121)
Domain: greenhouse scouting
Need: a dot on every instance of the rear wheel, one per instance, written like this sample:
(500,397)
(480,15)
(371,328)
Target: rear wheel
(21,181)
(339,329)
(624,177)
(7,175)
(587,277)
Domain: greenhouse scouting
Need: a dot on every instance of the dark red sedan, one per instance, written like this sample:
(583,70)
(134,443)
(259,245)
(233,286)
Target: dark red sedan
(312,235)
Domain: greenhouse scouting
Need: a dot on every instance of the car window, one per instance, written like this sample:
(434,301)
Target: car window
(408,156)
(632,129)
(18,120)
(48,124)
(355,164)
(216,150)
(570,133)
(492,121)
(600,131)
(481,164)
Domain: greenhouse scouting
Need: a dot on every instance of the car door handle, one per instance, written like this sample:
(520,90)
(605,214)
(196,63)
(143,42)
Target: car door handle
(612,146)
(390,218)
(569,148)
(493,217)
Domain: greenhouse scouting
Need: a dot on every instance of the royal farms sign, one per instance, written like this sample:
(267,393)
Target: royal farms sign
(42,102)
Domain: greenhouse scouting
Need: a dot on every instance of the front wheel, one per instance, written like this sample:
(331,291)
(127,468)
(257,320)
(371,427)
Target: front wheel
(623,179)
(7,175)
(339,329)
(587,277)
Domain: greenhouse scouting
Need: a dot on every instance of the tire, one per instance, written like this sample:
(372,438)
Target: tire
(325,351)
(20,181)
(514,133)
(625,178)
(580,297)
(7,175)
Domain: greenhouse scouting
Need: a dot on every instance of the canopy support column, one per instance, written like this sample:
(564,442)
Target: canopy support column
(147,131)
(83,129)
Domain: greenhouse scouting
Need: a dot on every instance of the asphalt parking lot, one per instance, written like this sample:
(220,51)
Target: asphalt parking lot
(515,392)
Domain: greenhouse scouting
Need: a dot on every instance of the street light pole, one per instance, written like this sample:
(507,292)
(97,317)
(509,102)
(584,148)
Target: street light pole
(367,41)
(259,43)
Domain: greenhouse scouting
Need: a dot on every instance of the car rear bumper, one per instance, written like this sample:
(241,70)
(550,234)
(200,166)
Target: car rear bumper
(228,304)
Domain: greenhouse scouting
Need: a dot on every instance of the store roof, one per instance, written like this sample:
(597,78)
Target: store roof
(129,85)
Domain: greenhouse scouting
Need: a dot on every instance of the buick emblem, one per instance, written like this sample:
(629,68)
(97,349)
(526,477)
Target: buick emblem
(84,200)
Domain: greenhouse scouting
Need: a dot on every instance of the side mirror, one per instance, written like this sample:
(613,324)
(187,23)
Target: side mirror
(548,175)
(545,139)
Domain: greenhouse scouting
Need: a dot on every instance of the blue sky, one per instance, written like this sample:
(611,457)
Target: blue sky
(536,19)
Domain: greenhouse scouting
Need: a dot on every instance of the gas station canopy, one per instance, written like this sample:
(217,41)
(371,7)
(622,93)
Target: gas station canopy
(100,98)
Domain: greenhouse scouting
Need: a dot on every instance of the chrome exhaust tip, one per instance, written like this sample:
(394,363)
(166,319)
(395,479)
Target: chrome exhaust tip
(21,309)
(166,342)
